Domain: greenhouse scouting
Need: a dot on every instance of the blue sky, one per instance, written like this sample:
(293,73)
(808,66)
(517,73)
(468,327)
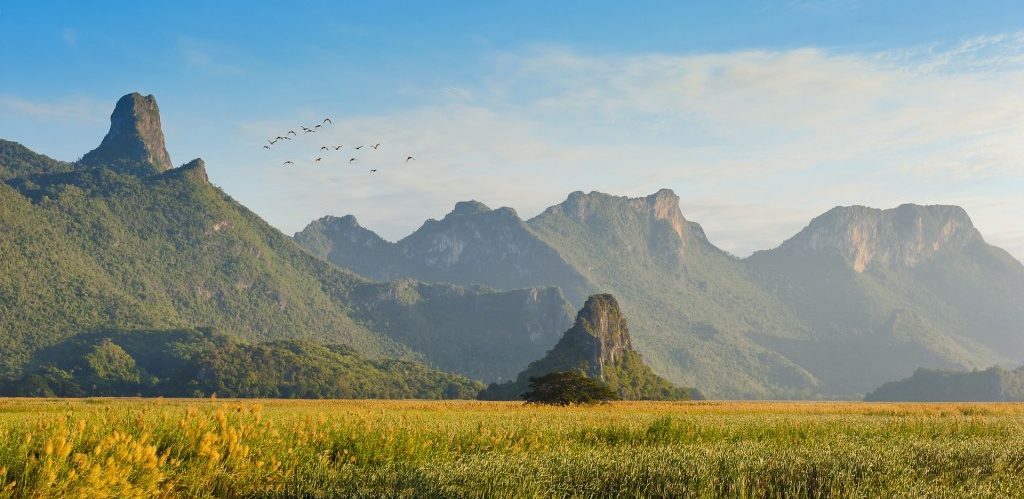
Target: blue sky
(760,115)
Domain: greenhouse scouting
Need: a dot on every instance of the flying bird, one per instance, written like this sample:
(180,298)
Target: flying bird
(317,126)
(337,147)
(351,160)
(288,163)
(359,147)
(266,147)
(324,148)
(317,160)
(375,146)
(328,120)
(291,132)
(407,159)
(373,170)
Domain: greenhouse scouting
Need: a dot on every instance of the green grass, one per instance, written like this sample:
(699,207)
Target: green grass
(125,447)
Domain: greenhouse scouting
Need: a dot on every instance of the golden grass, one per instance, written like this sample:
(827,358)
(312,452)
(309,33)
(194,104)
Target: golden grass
(166,448)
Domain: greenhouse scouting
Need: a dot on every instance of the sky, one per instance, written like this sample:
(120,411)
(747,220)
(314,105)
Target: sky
(759,115)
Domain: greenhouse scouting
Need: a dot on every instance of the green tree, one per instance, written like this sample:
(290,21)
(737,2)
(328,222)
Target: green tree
(567,388)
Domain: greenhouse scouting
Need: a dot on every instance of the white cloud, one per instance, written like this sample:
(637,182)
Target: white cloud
(77,110)
(70,36)
(208,57)
(755,142)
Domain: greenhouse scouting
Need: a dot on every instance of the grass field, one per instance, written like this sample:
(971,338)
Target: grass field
(152,448)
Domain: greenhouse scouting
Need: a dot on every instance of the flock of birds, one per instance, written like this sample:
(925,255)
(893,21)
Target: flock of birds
(314,129)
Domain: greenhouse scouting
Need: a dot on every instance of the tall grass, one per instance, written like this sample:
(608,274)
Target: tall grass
(167,448)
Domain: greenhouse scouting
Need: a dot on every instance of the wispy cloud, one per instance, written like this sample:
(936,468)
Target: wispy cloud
(209,57)
(756,142)
(70,36)
(69,110)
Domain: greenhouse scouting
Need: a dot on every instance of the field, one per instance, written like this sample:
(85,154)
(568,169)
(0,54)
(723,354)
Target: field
(152,448)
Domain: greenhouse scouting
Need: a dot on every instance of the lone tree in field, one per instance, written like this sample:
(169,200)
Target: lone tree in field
(566,388)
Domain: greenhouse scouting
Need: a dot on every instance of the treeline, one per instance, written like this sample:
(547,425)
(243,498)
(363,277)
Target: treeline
(994,384)
(200,363)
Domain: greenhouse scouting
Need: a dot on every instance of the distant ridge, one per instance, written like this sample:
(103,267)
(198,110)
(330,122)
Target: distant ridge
(858,297)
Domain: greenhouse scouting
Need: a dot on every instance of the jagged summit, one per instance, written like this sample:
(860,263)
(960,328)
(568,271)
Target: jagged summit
(662,205)
(470,207)
(194,170)
(598,344)
(901,236)
(599,334)
(135,142)
(330,236)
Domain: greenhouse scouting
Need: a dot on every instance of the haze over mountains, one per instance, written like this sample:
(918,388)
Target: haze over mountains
(123,241)
(859,297)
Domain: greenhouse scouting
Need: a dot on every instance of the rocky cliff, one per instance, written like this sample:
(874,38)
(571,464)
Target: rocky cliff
(598,344)
(135,142)
(898,237)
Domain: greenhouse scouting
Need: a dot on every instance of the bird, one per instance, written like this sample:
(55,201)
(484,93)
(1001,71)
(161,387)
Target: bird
(375,146)
(286,138)
(324,148)
(266,147)
(303,128)
(309,131)
(328,120)
(271,142)
(317,126)
(337,147)
(279,138)
(291,132)
(288,163)
(373,170)
(359,147)
(407,159)
(351,159)
(317,160)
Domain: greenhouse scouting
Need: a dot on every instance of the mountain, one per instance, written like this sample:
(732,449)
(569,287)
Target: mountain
(135,142)
(189,363)
(858,297)
(937,385)
(132,245)
(472,245)
(694,309)
(17,160)
(900,288)
(696,313)
(599,345)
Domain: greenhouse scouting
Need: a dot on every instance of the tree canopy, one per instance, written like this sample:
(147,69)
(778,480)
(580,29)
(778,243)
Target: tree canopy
(568,388)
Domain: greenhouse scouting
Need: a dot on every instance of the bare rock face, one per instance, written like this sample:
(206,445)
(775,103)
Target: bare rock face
(135,142)
(898,237)
(600,334)
(662,205)
(598,345)
(655,219)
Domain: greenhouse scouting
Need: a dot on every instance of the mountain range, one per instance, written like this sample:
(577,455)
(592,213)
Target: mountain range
(121,240)
(859,297)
